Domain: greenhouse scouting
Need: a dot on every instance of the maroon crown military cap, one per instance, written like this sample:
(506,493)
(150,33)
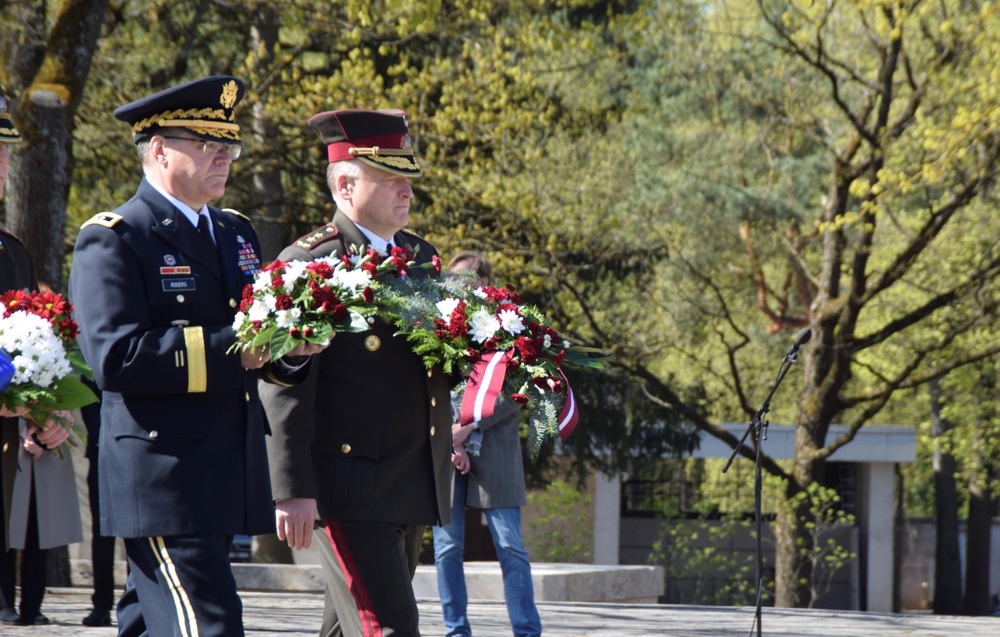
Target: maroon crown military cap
(8,132)
(204,106)
(378,138)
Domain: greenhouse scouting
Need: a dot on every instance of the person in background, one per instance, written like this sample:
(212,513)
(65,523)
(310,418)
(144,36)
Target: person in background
(489,475)
(102,547)
(364,443)
(45,514)
(17,272)
(156,284)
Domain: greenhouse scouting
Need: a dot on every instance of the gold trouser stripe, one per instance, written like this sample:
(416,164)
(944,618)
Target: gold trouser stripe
(269,371)
(185,612)
(194,339)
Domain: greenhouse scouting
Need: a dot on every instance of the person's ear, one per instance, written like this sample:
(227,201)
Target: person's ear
(345,186)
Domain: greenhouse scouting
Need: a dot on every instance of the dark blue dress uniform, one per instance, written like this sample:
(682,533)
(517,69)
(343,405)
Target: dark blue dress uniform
(183,464)
(368,433)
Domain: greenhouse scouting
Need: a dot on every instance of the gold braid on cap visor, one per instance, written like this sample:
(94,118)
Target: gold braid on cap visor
(208,121)
(389,156)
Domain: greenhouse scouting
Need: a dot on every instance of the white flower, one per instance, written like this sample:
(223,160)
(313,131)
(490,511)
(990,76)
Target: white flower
(36,351)
(511,321)
(258,310)
(262,281)
(446,307)
(481,293)
(483,325)
(287,318)
(351,280)
(294,271)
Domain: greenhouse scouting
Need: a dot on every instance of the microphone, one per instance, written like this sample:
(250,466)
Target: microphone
(800,339)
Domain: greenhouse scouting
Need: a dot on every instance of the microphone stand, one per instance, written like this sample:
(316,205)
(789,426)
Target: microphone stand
(758,426)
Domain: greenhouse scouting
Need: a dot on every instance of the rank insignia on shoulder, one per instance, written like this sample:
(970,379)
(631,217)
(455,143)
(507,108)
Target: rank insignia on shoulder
(316,237)
(106,219)
(237,213)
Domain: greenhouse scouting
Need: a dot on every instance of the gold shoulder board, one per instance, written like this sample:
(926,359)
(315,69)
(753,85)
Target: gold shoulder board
(318,236)
(412,234)
(106,219)
(237,213)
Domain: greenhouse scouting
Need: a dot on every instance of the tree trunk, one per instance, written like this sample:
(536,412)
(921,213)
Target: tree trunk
(977,556)
(39,184)
(947,561)
(267,188)
(59,573)
(52,69)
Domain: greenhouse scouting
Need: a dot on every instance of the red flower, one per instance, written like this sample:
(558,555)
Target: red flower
(320,268)
(528,348)
(15,300)
(308,331)
(295,332)
(283,302)
(339,312)
(520,399)
(277,282)
(368,295)
(275,265)
(324,298)
(436,260)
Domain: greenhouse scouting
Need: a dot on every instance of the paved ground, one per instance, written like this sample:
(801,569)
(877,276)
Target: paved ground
(298,615)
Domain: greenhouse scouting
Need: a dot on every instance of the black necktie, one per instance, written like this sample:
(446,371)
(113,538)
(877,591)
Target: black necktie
(203,228)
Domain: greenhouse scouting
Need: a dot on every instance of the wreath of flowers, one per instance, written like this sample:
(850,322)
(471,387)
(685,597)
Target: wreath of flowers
(292,302)
(504,347)
(40,362)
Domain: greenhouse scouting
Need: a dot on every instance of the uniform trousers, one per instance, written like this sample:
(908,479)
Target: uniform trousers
(180,586)
(102,548)
(369,569)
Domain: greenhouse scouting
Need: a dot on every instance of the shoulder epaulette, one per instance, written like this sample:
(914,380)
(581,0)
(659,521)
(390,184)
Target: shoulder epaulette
(237,213)
(318,236)
(106,219)
(413,234)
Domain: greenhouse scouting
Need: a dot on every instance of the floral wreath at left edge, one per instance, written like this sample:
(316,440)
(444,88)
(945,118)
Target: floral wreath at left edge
(40,361)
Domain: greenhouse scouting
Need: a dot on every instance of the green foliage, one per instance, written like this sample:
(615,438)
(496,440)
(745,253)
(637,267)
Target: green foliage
(818,507)
(560,532)
(702,565)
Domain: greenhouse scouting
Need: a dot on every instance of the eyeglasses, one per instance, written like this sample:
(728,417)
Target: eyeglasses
(212,149)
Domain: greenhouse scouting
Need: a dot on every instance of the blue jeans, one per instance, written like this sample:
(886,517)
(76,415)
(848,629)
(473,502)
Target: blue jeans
(449,545)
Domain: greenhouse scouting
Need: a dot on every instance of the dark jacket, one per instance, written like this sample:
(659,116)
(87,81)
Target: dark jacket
(368,433)
(182,429)
(16,273)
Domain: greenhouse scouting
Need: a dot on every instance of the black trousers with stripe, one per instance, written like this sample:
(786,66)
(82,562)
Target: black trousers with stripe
(180,586)
(369,569)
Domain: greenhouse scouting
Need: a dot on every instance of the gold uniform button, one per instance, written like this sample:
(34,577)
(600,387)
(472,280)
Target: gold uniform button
(372,343)
(232,303)
(434,401)
(433,430)
(346,448)
(248,396)
(180,298)
(6,446)
(430,373)
(154,434)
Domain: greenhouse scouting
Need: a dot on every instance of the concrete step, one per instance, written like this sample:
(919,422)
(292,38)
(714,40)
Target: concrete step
(553,582)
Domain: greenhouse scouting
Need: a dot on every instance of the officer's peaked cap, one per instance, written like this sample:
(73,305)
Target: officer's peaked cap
(378,138)
(205,107)
(8,132)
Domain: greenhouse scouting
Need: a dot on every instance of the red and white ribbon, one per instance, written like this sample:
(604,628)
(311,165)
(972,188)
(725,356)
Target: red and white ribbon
(485,384)
(570,413)
(484,387)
